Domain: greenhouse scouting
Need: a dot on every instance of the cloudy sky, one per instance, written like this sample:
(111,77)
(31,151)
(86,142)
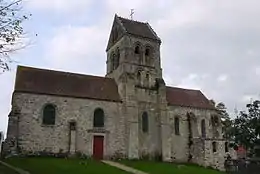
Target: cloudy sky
(208,45)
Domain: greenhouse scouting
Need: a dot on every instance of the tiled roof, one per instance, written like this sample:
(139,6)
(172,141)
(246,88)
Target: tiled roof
(138,28)
(187,97)
(41,81)
(49,82)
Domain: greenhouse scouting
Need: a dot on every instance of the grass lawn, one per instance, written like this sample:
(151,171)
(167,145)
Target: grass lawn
(62,166)
(167,168)
(5,170)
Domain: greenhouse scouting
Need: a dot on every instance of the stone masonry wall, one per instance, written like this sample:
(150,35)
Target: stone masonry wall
(136,93)
(33,136)
(129,62)
(215,159)
(179,145)
(138,101)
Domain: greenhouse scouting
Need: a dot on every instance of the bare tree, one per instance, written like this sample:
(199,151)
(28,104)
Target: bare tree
(11,31)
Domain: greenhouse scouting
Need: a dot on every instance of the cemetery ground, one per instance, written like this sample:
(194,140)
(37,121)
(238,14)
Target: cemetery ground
(43,165)
(153,167)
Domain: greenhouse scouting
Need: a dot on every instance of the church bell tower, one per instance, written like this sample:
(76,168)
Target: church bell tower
(133,60)
(134,49)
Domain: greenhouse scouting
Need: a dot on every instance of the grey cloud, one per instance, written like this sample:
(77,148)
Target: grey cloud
(217,45)
(206,38)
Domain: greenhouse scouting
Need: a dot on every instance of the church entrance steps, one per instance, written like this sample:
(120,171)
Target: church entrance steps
(123,167)
(18,170)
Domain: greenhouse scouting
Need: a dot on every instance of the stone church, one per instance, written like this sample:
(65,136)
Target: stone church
(129,113)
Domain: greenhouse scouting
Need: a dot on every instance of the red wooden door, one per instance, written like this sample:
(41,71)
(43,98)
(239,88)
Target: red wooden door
(98,147)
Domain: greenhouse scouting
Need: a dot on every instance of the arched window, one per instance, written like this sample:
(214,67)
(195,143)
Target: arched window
(177,125)
(145,123)
(147,79)
(49,113)
(214,147)
(72,125)
(137,50)
(98,118)
(148,58)
(203,128)
(139,77)
(226,147)
(147,52)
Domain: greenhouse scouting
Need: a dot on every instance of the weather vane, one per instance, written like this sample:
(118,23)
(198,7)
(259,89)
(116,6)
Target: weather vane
(132,13)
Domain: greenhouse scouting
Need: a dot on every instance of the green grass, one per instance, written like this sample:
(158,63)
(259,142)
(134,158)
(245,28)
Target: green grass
(168,168)
(5,170)
(62,166)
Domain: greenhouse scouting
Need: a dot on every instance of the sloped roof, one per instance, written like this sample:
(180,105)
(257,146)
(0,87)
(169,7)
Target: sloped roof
(49,82)
(187,97)
(41,81)
(138,28)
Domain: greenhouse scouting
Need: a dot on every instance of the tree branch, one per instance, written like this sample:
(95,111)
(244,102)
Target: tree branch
(15,2)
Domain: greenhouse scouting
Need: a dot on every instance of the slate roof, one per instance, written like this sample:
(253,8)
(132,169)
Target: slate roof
(187,97)
(49,82)
(41,81)
(139,28)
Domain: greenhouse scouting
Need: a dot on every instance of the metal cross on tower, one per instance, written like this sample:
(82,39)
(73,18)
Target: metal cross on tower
(132,13)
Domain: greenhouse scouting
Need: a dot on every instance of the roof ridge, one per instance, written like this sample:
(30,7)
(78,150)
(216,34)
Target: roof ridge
(62,72)
(184,88)
(132,20)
